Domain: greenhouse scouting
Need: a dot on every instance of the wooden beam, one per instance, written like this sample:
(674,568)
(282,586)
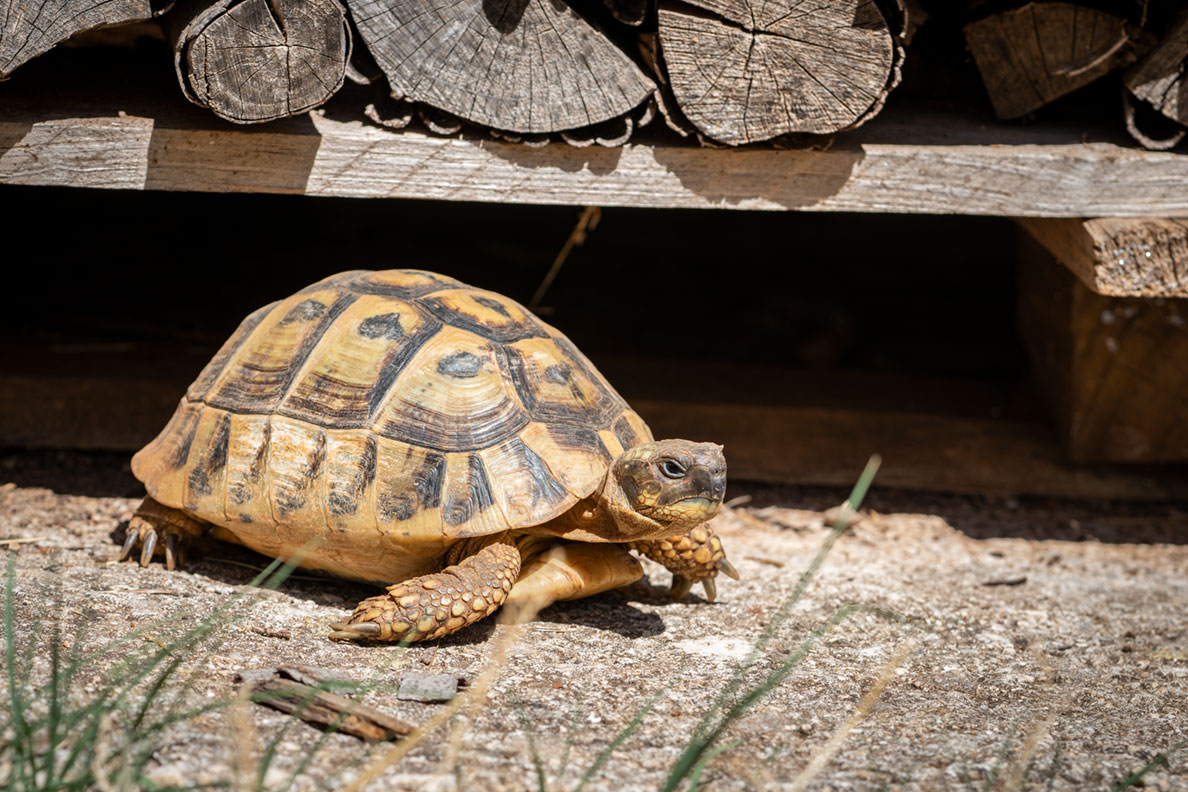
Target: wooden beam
(1114,369)
(1122,257)
(903,161)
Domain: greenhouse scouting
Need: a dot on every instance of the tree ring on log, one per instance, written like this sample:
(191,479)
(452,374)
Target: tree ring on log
(1032,55)
(251,61)
(28,29)
(527,66)
(743,71)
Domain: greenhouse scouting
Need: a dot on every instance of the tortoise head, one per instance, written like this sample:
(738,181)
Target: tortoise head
(672,484)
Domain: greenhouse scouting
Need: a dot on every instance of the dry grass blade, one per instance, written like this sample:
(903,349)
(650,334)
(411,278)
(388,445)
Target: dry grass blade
(822,757)
(587,222)
(477,693)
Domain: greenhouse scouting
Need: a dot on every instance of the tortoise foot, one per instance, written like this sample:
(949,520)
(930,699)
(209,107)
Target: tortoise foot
(431,606)
(691,557)
(156,528)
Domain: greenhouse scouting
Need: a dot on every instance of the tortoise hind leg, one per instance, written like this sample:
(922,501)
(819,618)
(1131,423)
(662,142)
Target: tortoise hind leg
(431,606)
(153,522)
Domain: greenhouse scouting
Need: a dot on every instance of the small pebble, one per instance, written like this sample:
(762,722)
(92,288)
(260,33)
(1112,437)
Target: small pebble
(427,687)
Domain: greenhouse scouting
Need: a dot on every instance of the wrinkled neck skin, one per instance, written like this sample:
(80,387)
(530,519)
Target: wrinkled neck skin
(606,516)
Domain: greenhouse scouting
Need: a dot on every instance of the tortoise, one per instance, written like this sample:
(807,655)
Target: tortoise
(404,429)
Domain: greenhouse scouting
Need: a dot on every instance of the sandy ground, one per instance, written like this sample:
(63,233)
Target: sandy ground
(1044,645)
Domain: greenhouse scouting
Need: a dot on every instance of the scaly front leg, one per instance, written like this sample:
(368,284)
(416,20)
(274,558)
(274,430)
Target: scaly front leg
(691,556)
(430,606)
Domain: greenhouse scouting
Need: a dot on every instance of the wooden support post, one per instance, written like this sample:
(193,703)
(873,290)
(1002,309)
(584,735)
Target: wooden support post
(1120,257)
(1114,370)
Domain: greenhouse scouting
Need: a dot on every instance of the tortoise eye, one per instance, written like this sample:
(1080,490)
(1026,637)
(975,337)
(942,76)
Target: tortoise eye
(672,469)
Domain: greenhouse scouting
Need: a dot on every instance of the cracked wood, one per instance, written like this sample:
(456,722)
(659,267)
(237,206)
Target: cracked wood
(250,61)
(29,28)
(1031,55)
(749,70)
(527,66)
(1159,78)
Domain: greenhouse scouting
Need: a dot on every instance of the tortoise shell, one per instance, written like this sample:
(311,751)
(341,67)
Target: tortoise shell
(402,404)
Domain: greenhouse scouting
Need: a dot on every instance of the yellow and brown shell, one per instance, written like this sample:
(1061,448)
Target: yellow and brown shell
(399,402)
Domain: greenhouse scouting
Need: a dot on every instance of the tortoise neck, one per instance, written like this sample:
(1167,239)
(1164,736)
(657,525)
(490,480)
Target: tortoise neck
(605,516)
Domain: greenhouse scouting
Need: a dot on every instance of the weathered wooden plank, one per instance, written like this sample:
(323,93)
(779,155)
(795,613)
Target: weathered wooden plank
(1122,257)
(1114,369)
(917,162)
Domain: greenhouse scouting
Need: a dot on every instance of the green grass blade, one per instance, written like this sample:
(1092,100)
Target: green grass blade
(695,776)
(1135,778)
(857,495)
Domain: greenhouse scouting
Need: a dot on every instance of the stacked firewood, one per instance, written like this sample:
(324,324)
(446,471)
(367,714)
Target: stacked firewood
(723,72)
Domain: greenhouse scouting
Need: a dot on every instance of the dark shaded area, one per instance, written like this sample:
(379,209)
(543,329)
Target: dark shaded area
(905,293)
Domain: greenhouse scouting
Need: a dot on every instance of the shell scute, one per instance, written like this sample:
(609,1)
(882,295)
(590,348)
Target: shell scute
(452,396)
(355,362)
(258,375)
(484,313)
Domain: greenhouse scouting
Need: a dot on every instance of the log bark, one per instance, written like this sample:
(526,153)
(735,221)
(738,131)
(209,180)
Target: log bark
(1159,79)
(1111,368)
(743,71)
(1031,55)
(526,66)
(32,27)
(250,61)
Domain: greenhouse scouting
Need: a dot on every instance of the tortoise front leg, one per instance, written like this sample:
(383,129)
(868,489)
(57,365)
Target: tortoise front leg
(430,606)
(692,556)
(153,522)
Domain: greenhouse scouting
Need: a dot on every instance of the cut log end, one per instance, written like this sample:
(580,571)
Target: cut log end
(250,61)
(513,65)
(28,29)
(1032,55)
(1161,78)
(744,71)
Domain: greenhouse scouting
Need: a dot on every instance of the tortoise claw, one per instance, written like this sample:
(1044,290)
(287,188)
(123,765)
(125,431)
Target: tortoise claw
(727,569)
(150,545)
(711,589)
(680,587)
(129,544)
(172,551)
(353,631)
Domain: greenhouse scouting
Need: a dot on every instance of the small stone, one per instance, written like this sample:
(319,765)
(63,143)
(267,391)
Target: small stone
(427,687)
